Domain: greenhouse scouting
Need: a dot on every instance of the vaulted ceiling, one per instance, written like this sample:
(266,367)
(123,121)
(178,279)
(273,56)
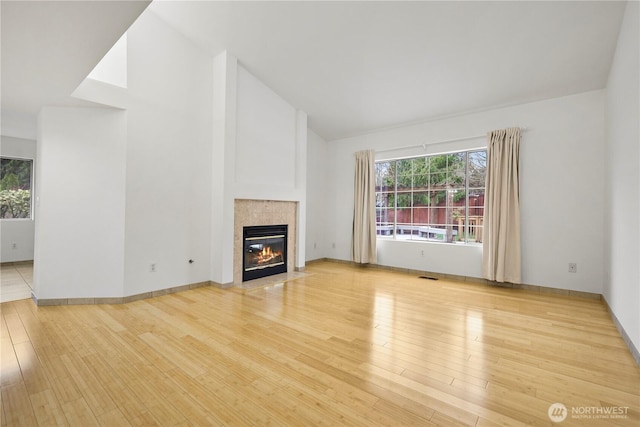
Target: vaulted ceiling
(353,67)
(49,47)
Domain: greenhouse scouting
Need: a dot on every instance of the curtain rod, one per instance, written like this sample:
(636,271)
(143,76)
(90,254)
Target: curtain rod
(424,146)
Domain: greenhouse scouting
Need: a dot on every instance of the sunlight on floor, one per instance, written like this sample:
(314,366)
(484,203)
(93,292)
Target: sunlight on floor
(17,281)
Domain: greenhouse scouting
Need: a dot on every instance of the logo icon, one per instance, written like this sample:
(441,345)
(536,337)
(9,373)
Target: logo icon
(557,412)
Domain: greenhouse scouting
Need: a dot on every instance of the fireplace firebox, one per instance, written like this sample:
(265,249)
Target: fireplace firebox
(265,251)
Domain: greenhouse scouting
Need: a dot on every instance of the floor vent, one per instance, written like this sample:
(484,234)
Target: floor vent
(428,278)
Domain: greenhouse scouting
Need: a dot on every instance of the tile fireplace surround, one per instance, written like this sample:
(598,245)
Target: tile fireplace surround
(263,212)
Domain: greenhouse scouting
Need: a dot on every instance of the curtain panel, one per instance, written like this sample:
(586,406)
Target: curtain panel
(501,255)
(363,245)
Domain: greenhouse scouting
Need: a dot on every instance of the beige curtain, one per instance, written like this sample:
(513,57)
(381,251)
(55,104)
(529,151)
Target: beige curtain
(501,244)
(363,247)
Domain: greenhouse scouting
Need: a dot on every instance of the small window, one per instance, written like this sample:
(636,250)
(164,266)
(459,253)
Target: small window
(15,188)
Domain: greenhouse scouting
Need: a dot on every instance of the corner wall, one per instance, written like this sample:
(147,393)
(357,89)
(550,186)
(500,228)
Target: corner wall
(168,158)
(80,203)
(317,197)
(18,231)
(121,190)
(622,194)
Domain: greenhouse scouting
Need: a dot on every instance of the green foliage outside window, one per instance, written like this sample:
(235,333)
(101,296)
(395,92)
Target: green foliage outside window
(439,173)
(431,191)
(15,188)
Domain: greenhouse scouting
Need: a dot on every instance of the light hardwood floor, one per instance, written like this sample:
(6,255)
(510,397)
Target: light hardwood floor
(339,346)
(16,280)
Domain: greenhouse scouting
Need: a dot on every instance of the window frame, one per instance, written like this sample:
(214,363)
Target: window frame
(393,190)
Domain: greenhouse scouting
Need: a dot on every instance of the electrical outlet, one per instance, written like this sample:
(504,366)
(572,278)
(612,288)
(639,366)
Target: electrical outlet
(333,245)
(14,246)
(573,267)
(153,267)
(422,253)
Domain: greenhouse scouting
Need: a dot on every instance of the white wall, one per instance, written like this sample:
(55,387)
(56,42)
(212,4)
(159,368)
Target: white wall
(266,152)
(18,125)
(317,198)
(271,144)
(622,193)
(79,247)
(168,191)
(300,161)
(259,153)
(562,175)
(265,144)
(17,231)
(112,68)
(145,195)
(225,88)
(187,131)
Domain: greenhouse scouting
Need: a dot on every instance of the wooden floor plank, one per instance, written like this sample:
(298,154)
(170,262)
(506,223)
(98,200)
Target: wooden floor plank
(78,413)
(17,407)
(47,409)
(338,346)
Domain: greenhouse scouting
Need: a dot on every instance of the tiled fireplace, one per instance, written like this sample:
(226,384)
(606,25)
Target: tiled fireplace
(262,214)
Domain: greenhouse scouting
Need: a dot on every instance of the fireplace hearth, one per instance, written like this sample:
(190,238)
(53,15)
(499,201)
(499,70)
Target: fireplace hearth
(265,251)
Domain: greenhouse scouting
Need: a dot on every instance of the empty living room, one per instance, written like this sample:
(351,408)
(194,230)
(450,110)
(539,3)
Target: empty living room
(301,213)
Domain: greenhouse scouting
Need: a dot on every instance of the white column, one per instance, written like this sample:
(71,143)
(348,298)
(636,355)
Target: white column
(225,71)
(301,187)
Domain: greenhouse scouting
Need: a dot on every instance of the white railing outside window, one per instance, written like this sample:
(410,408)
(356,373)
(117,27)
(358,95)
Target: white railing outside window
(437,198)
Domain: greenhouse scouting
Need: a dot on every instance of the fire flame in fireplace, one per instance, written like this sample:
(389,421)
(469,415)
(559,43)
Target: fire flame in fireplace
(267,255)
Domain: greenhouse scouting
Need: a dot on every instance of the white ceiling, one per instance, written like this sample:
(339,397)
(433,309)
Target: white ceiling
(353,67)
(358,66)
(49,47)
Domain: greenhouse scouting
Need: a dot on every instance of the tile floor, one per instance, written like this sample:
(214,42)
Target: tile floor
(16,280)
(276,279)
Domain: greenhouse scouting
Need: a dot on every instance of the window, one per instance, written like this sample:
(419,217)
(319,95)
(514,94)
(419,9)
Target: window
(15,188)
(436,198)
